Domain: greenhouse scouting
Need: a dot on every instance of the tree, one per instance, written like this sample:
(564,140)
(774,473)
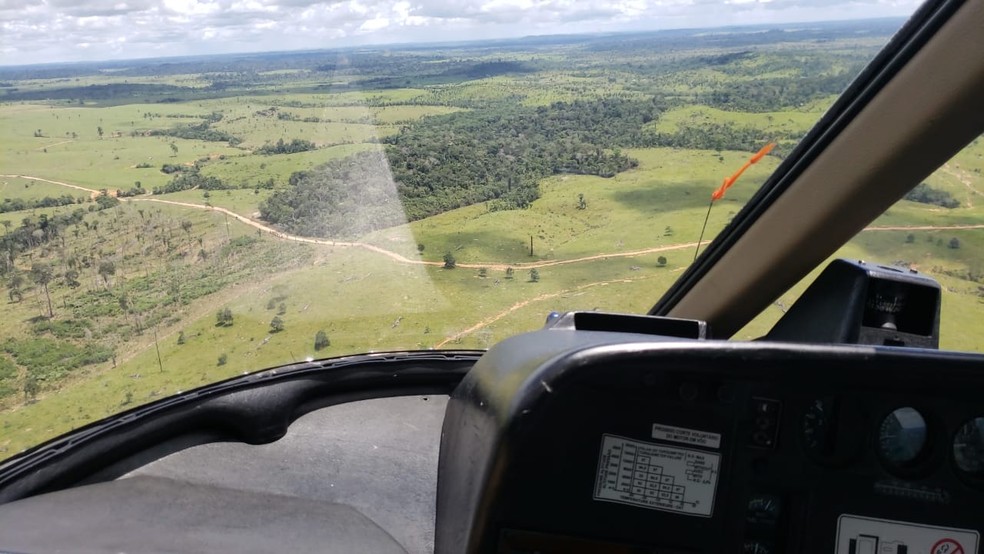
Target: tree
(106,270)
(31,388)
(910,238)
(42,274)
(534,275)
(223,318)
(661,261)
(449,261)
(509,272)
(581,203)
(954,243)
(14,284)
(72,279)
(174,150)
(483,272)
(282,309)
(420,247)
(668,232)
(321,340)
(223,358)
(99,130)
(186,226)
(181,337)
(276,324)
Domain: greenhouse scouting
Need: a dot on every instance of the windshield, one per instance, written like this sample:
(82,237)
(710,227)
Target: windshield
(170,222)
(935,229)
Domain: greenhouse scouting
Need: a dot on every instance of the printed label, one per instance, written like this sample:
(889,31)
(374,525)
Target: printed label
(657,477)
(686,436)
(865,535)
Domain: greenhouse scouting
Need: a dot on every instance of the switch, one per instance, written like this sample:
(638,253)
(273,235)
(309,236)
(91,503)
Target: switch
(764,414)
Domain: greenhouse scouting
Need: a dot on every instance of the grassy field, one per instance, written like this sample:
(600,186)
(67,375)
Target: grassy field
(630,211)
(63,142)
(29,189)
(175,269)
(256,170)
(783,122)
(365,301)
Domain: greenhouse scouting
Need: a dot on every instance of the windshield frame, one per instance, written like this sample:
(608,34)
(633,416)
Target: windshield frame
(907,42)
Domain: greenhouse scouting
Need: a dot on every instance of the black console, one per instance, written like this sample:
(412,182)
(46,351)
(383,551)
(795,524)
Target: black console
(568,440)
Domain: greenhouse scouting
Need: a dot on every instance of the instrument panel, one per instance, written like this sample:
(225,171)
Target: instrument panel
(561,445)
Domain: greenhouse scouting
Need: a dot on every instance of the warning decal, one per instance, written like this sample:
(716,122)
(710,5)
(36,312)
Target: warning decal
(657,477)
(686,436)
(865,535)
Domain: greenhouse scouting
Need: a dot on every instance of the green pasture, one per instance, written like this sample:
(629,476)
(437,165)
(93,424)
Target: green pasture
(70,148)
(362,300)
(241,201)
(784,122)
(631,211)
(29,189)
(253,170)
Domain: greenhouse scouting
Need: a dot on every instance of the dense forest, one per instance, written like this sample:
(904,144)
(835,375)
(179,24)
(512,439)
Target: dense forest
(495,155)
(446,162)
(342,198)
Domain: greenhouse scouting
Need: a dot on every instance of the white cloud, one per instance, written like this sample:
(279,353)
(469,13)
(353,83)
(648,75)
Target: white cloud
(54,30)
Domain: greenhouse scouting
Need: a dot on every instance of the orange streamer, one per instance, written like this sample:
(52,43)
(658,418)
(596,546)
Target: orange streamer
(728,181)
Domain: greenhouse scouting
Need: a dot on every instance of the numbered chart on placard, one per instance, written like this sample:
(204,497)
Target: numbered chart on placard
(656,477)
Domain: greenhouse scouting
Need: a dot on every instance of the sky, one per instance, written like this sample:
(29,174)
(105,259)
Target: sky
(43,31)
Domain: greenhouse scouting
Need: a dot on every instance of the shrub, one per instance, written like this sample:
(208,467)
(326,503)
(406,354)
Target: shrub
(321,340)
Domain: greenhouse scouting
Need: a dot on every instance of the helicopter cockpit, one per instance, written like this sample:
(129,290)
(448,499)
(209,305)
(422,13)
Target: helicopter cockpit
(843,430)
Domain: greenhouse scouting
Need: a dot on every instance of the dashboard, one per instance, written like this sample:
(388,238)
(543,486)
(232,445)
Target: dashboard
(574,441)
(565,440)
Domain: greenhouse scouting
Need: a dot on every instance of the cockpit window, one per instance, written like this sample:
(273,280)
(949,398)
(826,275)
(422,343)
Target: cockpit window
(172,222)
(937,230)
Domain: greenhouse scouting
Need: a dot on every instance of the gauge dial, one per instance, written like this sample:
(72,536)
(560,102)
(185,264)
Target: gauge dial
(819,421)
(831,429)
(902,437)
(968,448)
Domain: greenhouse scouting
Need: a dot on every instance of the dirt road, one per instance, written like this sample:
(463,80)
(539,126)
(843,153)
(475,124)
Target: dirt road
(473,265)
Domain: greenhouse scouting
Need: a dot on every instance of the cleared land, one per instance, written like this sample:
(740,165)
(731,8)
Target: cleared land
(164,292)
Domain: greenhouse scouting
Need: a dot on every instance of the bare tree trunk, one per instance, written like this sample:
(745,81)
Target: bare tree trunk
(51,313)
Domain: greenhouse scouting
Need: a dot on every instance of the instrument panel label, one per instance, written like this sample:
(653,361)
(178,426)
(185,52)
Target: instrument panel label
(657,477)
(686,436)
(866,535)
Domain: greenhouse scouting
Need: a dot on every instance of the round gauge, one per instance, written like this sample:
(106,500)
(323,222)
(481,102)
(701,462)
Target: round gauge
(968,448)
(902,436)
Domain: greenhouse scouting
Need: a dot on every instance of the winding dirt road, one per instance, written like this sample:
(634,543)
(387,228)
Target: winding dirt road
(371,247)
(474,265)
(523,303)
(488,265)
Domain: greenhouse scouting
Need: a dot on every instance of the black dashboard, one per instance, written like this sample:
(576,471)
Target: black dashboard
(573,441)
